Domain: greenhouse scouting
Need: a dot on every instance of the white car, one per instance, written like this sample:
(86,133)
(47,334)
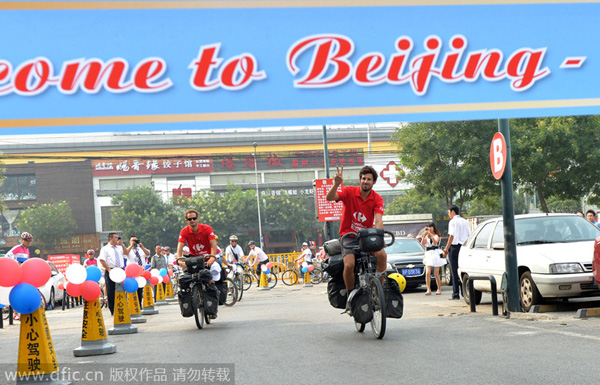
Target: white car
(554,257)
(50,290)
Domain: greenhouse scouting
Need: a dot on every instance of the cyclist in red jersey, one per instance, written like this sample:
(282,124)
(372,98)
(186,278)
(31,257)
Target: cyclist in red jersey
(363,209)
(200,238)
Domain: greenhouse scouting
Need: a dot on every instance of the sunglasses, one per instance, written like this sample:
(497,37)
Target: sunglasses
(191,219)
(233,241)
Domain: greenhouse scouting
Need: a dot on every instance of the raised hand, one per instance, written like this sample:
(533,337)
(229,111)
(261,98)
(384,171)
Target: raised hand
(339,176)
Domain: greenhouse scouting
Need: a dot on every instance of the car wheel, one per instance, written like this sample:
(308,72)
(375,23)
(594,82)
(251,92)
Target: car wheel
(528,292)
(466,294)
(51,303)
(447,275)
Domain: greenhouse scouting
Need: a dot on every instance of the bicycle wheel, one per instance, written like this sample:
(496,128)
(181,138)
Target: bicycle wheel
(198,305)
(247,281)
(378,303)
(315,276)
(289,277)
(232,293)
(271,280)
(239,282)
(359,327)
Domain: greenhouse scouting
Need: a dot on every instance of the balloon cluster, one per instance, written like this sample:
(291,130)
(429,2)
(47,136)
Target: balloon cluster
(306,267)
(266,268)
(19,283)
(82,282)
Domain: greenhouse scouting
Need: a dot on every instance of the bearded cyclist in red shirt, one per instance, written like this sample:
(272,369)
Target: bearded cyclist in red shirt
(363,207)
(200,238)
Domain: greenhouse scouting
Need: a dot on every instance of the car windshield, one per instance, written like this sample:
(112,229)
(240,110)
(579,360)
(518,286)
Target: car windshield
(554,229)
(405,245)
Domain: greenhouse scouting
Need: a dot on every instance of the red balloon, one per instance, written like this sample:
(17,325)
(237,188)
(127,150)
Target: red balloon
(61,286)
(146,274)
(140,271)
(153,280)
(36,272)
(90,290)
(73,289)
(165,279)
(132,271)
(10,272)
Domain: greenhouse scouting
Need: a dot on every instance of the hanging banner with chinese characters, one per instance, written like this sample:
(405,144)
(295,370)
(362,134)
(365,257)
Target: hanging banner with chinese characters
(326,210)
(119,167)
(151,65)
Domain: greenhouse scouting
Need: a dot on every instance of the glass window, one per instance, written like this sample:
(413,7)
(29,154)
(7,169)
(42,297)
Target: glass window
(498,234)
(19,187)
(106,213)
(349,173)
(225,179)
(483,236)
(278,177)
(122,184)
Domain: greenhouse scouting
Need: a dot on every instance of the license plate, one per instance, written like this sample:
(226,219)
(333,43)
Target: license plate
(410,272)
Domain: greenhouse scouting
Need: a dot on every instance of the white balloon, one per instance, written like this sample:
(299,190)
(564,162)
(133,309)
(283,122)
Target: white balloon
(117,275)
(4,293)
(304,264)
(263,267)
(76,273)
(141,281)
(155,273)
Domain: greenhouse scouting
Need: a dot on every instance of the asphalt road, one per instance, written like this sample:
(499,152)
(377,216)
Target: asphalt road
(292,336)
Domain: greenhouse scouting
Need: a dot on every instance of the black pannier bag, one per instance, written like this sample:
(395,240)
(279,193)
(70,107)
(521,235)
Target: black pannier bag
(332,247)
(371,240)
(360,306)
(222,287)
(337,293)
(194,264)
(393,299)
(185,303)
(211,300)
(185,280)
(334,266)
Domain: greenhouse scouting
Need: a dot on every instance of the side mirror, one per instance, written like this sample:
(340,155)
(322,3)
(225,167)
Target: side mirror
(498,246)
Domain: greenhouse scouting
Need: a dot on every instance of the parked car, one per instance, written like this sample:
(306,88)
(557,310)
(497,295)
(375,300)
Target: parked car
(405,256)
(554,257)
(50,290)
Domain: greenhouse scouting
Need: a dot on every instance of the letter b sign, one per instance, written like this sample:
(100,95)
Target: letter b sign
(498,155)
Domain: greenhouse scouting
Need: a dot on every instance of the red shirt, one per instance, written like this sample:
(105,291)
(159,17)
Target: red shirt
(358,213)
(198,243)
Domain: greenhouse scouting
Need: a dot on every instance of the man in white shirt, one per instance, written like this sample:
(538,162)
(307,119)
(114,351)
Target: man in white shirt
(137,254)
(458,230)
(306,255)
(111,256)
(234,252)
(260,257)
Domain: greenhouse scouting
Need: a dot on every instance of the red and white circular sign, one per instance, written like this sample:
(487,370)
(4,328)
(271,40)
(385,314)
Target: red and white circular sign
(498,155)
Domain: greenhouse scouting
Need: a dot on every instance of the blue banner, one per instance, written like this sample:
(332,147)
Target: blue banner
(138,66)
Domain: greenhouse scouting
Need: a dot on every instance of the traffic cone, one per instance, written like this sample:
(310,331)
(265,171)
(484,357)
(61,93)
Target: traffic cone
(169,292)
(160,295)
(263,284)
(148,300)
(93,332)
(307,282)
(36,351)
(133,302)
(122,320)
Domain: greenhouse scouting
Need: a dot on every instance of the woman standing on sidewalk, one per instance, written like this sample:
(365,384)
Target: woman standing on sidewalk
(431,240)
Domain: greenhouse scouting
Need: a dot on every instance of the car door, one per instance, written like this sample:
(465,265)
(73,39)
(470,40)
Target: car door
(478,255)
(497,258)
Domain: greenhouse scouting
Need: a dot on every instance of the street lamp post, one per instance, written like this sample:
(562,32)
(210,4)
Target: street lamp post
(260,239)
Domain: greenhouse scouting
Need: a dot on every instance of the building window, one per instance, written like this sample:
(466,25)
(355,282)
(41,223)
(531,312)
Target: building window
(107,212)
(282,177)
(236,179)
(19,187)
(123,183)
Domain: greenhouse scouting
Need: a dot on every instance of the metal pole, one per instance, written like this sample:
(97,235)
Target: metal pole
(508,216)
(326,161)
(260,237)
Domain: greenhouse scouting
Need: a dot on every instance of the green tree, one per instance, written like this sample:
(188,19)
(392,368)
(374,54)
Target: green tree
(492,205)
(143,213)
(449,160)
(413,202)
(557,205)
(291,213)
(556,156)
(48,223)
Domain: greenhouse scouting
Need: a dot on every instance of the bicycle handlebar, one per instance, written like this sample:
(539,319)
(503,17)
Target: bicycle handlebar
(356,235)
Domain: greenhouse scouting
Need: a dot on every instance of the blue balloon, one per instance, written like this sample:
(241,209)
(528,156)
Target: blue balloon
(304,269)
(93,273)
(130,285)
(25,298)
(147,267)
(163,272)
(268,271)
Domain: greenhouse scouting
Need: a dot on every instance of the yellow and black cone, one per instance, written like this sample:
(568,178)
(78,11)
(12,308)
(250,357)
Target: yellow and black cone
(36,351)
(122,320)
(133,302)
(307,282)
(148,300)
(169,293)
(263,284)
(93,332)
(160,295)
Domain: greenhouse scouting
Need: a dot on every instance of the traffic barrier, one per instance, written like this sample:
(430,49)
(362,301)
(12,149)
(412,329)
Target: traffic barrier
(93,332)
(307,282)
(133,302)
(36,351)
(122,320)
(263,284)
(160,295)
(169,293)
(148,300)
